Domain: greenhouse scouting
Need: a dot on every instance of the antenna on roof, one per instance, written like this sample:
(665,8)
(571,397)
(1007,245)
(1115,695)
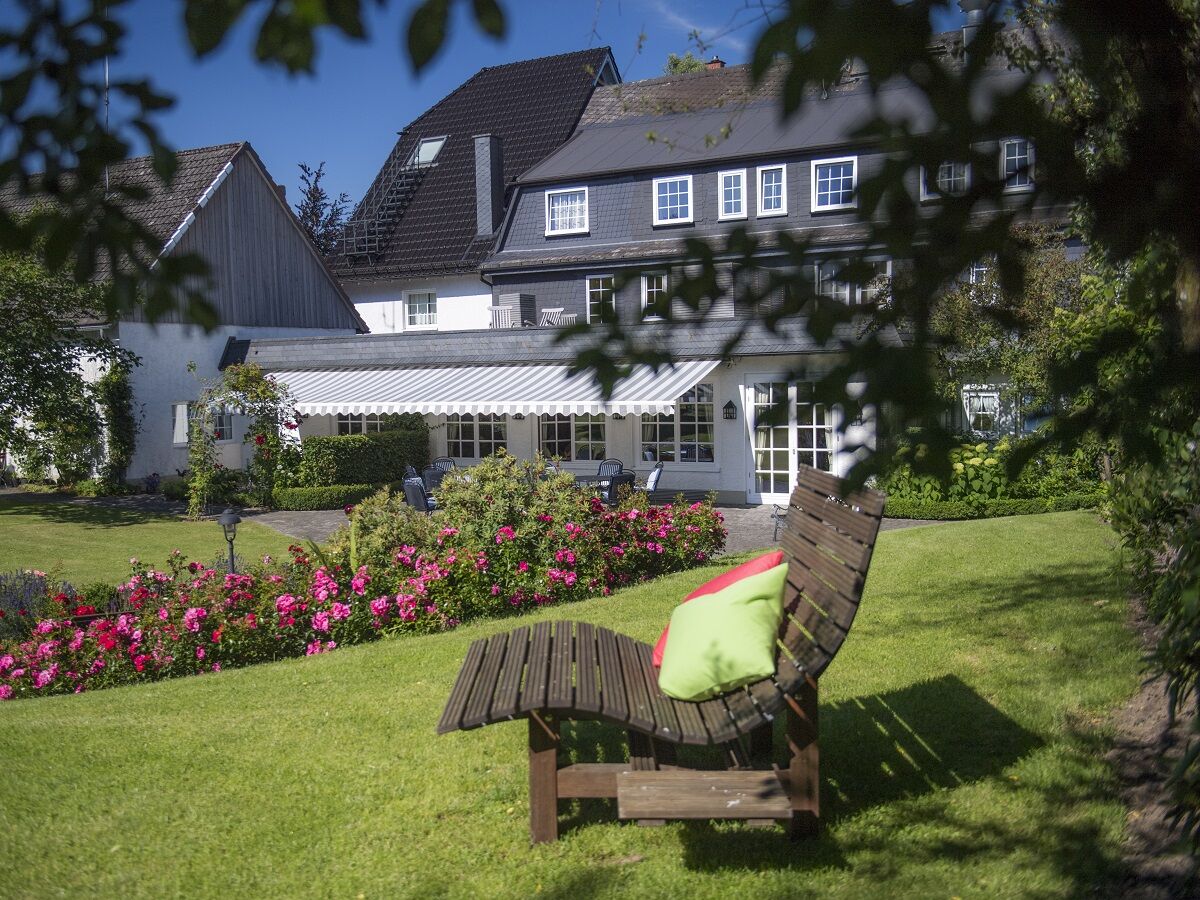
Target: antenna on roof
(106,129)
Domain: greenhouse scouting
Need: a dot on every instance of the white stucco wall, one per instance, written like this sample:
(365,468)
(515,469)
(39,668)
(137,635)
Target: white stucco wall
(163,380)
(462,302)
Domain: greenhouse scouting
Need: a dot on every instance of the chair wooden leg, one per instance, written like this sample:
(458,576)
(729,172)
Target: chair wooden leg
(641,758)
(543,778)
(804,762)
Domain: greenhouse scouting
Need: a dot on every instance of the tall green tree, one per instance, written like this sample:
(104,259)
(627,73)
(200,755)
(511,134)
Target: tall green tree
(681,65)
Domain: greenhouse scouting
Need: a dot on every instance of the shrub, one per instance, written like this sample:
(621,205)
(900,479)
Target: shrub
(194,618)
(174,488)
(24,598)
(333,496)
(361,458)
(944,510)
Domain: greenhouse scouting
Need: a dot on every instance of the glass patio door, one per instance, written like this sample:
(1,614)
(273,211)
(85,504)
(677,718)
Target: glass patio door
(786,429)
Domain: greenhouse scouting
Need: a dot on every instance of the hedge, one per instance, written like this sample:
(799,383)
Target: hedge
(332,496)
(358,459)
(899,508)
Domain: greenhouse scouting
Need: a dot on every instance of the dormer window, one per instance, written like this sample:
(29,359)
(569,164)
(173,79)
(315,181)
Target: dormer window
(772,191)
(426,152)
(833,183)
(567,211)
(673,200)
(949,179)
(1016,165)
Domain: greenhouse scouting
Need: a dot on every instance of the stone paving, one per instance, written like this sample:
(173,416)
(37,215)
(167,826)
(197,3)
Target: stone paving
(750,527)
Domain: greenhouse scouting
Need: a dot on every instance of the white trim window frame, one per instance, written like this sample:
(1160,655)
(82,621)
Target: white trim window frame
(479,434)
(958,170)
(731,197)
(359,423)
(574,224)
(1018,179)
(222,423)
(682,202)
(426,152)
(981,400)
(425,319)
(599,289)
(828,181)
(559,432)
(776,193)
(658,284)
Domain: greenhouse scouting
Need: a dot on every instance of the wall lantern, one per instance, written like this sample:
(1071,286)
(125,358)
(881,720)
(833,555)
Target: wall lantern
(617,417)
(228,521)
(520,417)
(729,411)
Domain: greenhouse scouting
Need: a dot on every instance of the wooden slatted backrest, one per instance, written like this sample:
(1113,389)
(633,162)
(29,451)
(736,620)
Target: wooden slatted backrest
(827,541)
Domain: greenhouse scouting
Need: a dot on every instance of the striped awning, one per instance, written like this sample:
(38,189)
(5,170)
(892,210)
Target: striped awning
(531,390)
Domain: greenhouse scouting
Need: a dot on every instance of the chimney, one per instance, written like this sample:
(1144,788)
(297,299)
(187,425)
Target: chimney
(489,184)
(715,63)
(976,12)
(281,190)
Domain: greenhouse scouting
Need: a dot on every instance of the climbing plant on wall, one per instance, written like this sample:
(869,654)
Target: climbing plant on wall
(272,430)
(114,396)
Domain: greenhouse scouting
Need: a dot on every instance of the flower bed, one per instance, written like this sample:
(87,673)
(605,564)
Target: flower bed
(486,554)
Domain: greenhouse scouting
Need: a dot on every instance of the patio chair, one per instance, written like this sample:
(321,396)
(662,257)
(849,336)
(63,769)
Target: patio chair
(444,463)
(431,478)
(411,472)
(416,497)
(555,671)
(502,316)
(652,480)
(778,516)
(610,467)
(613,489)
(550,317)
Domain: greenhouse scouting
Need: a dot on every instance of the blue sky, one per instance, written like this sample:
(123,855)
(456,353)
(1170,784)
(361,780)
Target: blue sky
(348,112)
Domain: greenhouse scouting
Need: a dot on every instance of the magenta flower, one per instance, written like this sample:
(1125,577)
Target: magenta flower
(199,653)
(379,606)
(505,534)
(339,611)
(6,662)
(320,621)
(6,692)
(163,615)
(193,616)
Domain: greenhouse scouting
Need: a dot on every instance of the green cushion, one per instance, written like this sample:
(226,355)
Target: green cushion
(724,640)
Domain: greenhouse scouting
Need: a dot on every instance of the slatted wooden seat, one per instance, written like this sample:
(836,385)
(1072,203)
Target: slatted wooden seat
(554,671)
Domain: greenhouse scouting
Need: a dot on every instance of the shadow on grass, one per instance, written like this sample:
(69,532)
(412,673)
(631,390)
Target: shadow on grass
(876,750)
(52,509)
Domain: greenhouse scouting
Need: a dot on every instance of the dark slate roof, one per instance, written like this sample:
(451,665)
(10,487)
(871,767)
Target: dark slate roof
(720,114)
(532,106)
(165,205)
(523,346)
(848,234)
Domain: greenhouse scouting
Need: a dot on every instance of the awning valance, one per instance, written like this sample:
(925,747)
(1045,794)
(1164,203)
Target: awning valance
(527,389)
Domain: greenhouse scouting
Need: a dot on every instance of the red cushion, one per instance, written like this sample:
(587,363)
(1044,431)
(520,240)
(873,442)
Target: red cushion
(755,566)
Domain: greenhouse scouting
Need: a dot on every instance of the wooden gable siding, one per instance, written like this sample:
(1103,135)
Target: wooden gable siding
(264,272)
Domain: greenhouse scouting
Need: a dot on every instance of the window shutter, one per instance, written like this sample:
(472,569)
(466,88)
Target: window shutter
(722,306)
(179,430)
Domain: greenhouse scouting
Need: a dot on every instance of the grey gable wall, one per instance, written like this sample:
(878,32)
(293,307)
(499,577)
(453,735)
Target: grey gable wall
(264,272)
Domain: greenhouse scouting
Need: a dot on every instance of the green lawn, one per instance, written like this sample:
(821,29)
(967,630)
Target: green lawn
(89,543)
(963,729)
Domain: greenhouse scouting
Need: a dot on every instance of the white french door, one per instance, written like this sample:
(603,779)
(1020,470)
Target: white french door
(786,429)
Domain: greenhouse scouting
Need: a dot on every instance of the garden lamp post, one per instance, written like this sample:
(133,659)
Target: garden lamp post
(228,521)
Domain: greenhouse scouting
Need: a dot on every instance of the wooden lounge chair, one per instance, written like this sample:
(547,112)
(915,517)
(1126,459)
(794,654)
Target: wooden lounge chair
(574,670)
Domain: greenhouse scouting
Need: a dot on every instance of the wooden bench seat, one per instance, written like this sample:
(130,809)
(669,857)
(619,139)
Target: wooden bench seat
(556,671)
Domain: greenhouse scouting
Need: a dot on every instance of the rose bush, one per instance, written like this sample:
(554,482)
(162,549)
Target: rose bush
(503,543)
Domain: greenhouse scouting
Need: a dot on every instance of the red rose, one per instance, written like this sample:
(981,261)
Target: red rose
(216,636)
(260,439)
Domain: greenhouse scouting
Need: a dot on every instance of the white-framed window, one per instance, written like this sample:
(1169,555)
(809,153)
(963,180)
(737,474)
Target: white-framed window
(360,423)
(569,438)
(978,271)
(601,298)
(687,435)
(673,200)
(833,183)
(567,211)
(950,179)
(1016,165)
(731,194)
(772,191)
(829,285)
(981,407)
(426,152)
(470,436)
(182,415)
(420,309)
(655,291)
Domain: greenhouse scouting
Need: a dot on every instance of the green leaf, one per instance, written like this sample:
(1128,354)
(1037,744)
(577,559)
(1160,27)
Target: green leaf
(209,21)
(427,31)
(490,17)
